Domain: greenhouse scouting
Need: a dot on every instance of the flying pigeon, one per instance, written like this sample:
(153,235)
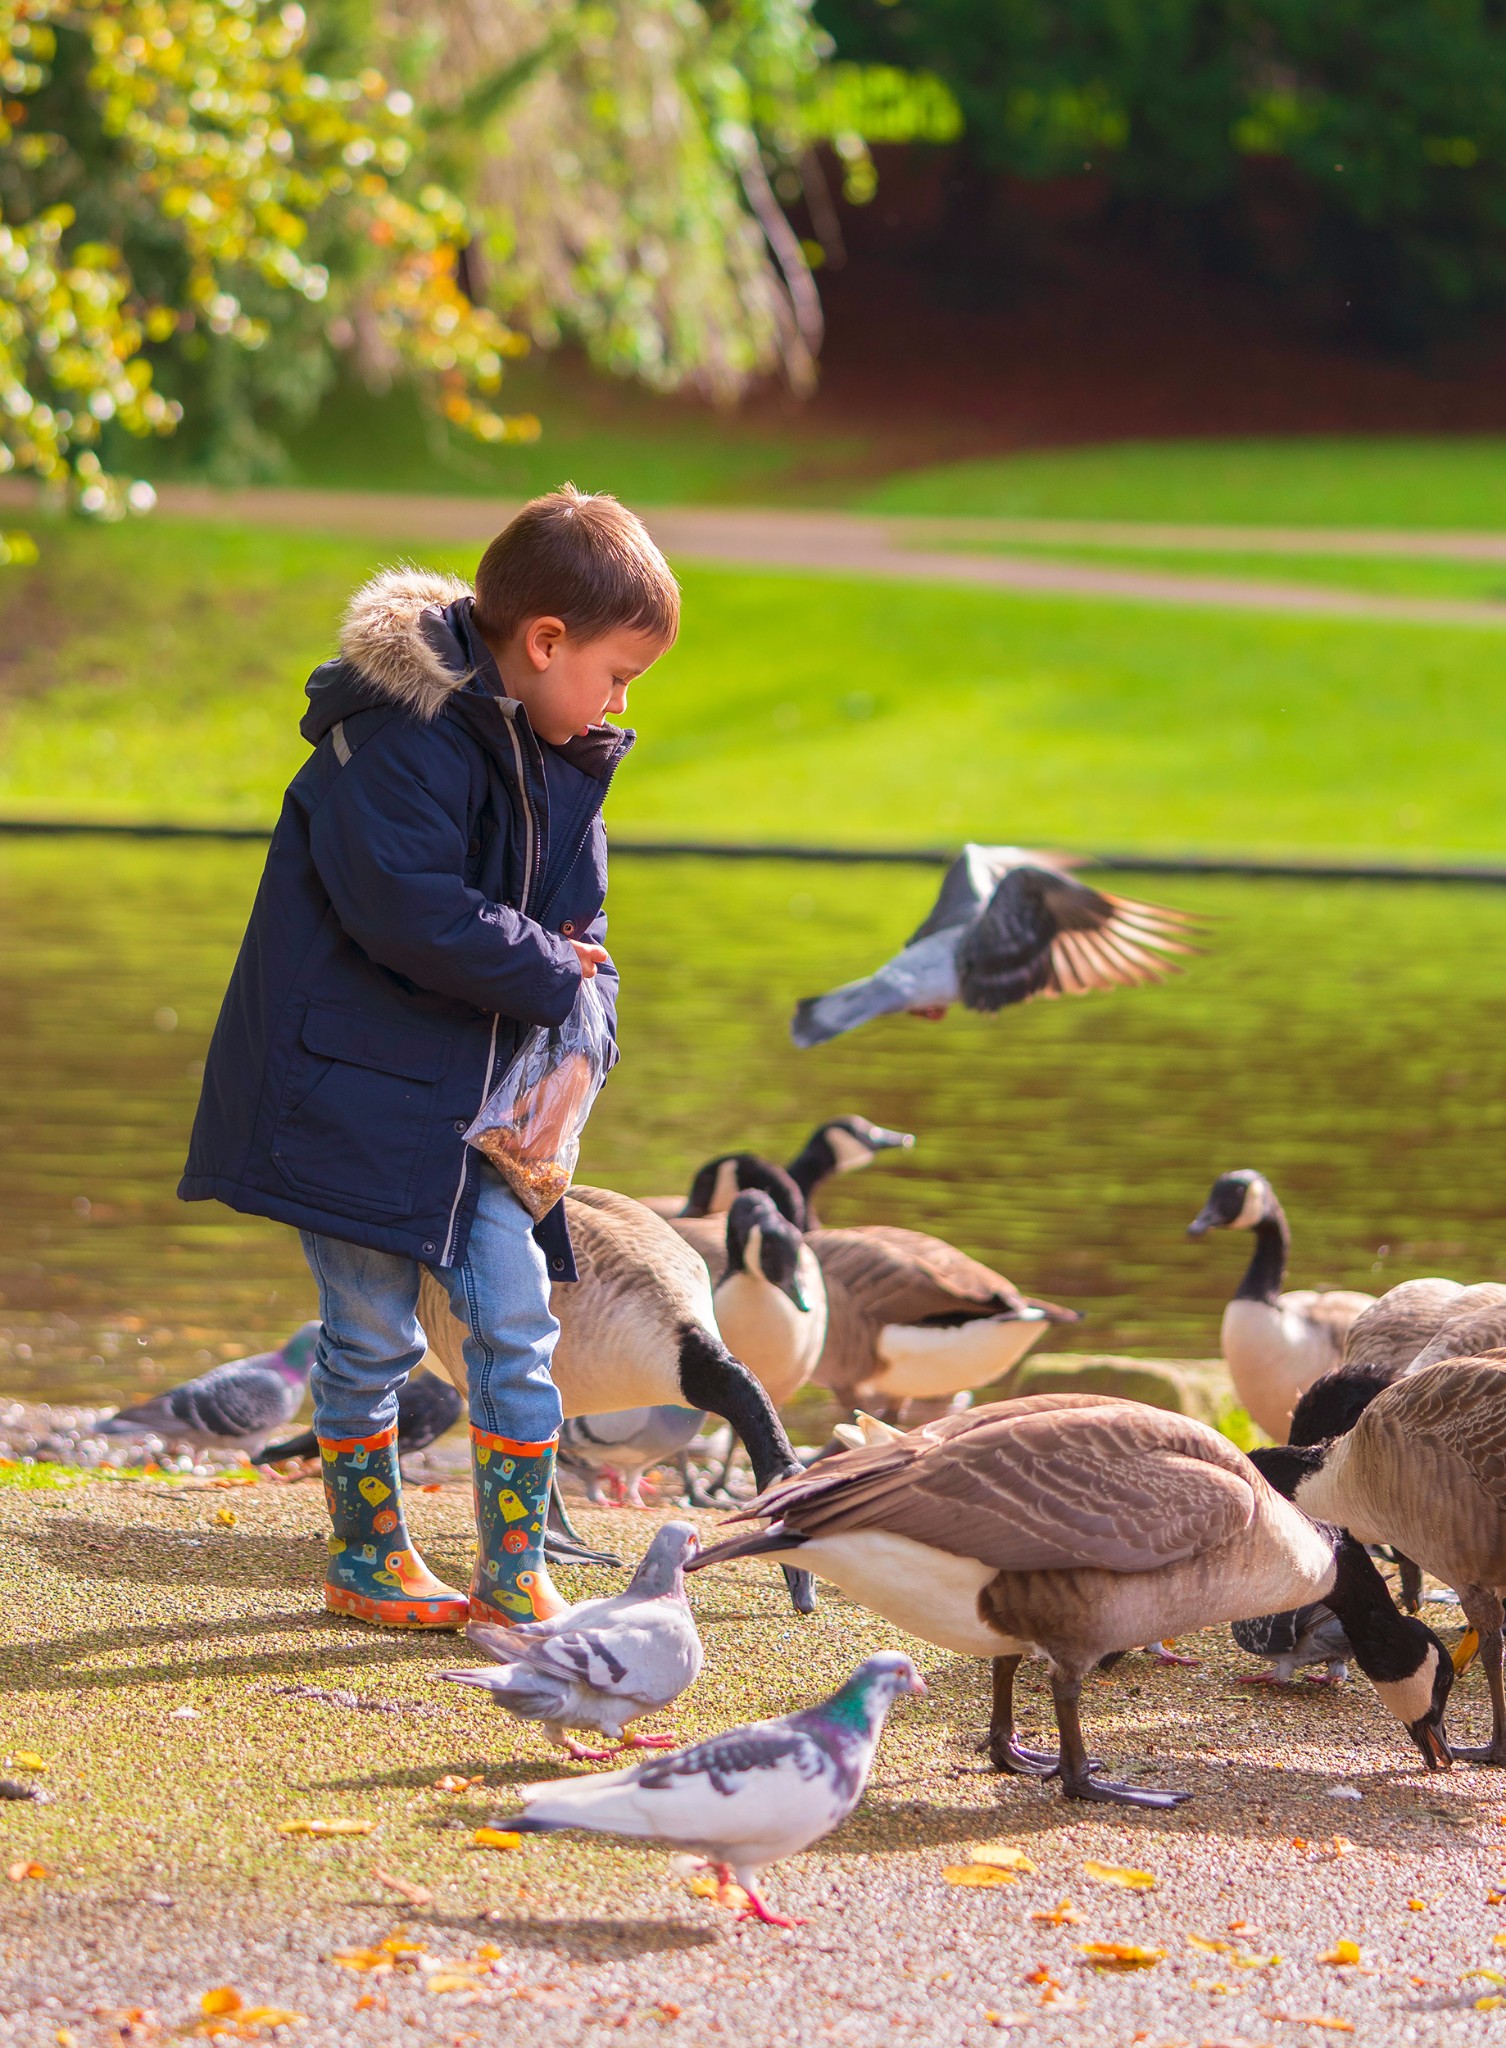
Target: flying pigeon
(745,1799)
(626,1443)
(603,1663)
(427,1405)
(1300,1636)
(1006,926)
(232,1407)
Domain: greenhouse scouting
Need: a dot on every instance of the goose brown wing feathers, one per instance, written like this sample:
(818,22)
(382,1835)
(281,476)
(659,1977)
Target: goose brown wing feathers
(1427,1459)
(1044,933)
(1395,1329)
(1047,1483)
(908,1276)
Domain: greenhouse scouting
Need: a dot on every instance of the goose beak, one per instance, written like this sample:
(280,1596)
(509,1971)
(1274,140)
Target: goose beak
(890,1141)
(1428,1736)
(796,1294)
(1202,1223)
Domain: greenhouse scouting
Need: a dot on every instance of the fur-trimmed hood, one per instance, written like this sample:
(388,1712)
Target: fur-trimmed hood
(395,633)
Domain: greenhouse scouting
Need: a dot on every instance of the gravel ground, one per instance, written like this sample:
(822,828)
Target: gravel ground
(123,1606)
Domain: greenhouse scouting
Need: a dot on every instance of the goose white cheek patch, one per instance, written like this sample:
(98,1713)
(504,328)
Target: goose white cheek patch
(1410,1698)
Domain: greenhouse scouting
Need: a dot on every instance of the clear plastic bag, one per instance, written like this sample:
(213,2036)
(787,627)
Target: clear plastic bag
(531,1124)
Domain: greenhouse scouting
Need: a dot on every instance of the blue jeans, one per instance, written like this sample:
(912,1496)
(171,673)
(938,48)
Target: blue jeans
(371,1338)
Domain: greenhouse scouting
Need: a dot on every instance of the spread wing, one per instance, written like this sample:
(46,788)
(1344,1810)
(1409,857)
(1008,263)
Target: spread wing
(1049,1483)
(907,1276)
(969,882)
(1043,933)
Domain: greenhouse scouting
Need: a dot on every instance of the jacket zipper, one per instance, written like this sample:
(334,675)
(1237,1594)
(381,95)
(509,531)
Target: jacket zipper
(530,837)
(585,834)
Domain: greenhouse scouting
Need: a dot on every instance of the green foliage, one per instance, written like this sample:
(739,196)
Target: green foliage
(180,192)
(1388,116)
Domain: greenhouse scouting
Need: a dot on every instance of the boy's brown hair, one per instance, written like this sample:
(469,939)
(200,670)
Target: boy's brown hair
(580,557)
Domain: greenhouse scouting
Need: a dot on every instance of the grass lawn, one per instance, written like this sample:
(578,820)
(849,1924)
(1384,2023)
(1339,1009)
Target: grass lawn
(155,670)
(1437,482)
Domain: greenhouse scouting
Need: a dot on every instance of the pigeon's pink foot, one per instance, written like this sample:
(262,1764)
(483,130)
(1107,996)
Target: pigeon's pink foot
(1164,1654)
(579,1754)
(646,1742)
(1258,1678)
(932,1012)
(757,1910)
(1321,1678)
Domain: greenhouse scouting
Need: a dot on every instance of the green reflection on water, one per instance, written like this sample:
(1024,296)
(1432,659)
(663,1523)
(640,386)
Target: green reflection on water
(1343,1038)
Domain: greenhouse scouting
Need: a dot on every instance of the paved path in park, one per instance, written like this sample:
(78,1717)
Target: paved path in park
(905,549)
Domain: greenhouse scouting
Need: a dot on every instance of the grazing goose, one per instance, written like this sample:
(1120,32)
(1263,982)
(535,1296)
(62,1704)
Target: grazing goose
(234,1407)
(1080,1525)
(768,1292)
(602,1664)
(637,1330)
(1424,1468)
(1006,926)
(1275,1345)
(909,1317)
(624,1444)
(745,1799)
(842,1144)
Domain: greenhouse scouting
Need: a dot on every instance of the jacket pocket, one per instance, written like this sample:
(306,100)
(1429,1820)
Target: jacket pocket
(358,1110)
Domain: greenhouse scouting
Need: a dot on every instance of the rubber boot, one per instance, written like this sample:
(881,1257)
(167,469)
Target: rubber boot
(511,1482)
(374,1573)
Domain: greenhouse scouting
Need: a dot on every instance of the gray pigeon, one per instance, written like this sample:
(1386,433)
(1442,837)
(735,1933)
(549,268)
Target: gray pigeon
(236,1406)
(1293,1639)
(427,1406)
(626,1443)
(1006,926)
(745,1799)
(603,1663)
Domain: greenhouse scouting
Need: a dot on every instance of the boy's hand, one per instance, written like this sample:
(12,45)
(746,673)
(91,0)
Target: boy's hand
(590,958)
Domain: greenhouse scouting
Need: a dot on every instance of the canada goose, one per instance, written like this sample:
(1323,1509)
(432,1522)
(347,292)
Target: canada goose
(1412,1316)
(1006,926)
(1275,1345)
(911,1317)
(1424,1468)
(842,1144)
(637,1330)
(767,1291)
(1080,1525)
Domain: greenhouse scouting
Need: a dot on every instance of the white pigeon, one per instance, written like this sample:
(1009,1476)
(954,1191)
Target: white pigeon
(600,1665)
(745,1799)
(1006,926)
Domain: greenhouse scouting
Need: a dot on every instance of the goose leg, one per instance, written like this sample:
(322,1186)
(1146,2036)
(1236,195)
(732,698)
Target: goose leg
(710,1377)
(1482,1610)
(1004,1753)
(1411,1584)
(563,1543)
(1075,1768)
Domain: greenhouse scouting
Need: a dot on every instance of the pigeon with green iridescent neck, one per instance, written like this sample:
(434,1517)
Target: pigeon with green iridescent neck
(745,1799)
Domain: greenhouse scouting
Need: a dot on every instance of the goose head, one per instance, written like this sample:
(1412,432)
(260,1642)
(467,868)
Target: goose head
(1333,1404)
(720,1181)
(765,1245)
(843,1144)
(1236,1201)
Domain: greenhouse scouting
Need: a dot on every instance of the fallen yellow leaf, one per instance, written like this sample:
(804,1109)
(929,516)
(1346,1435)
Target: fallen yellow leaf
(450,1783)
(1116,1873)
(1498,1940)
(1341,1953)
(323,1829)
(28,1760)
(1486,1976)
(224,1999)
(1213,1985)
(981,1875)
(1002,1855)
(415,1894)
(1312,2019)
(19,1872)
(1064,1914)
(495,1838)
(451,1980)
(1420,1906)
(1210,1947)
(225,1517)
(1121,1955)
(1490,2002)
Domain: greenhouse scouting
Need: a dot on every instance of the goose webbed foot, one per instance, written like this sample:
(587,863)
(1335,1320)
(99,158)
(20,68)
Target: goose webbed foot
(1076,1770)
(1492,1752)
(560,1550)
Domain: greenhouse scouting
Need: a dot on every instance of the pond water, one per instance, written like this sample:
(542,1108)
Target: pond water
(1346,1039)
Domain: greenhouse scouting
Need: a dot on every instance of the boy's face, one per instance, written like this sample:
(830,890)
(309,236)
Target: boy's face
(566,684)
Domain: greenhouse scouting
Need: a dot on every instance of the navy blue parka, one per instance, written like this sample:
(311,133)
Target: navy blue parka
(431,863)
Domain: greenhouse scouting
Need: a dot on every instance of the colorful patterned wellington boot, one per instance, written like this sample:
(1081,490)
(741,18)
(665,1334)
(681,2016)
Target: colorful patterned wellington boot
(374,1573)
(511,1482)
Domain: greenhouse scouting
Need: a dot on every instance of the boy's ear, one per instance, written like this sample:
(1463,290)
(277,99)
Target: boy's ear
(541,639)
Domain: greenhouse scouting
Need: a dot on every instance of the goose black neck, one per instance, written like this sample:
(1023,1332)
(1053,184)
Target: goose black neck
(812,1164)
(1285,1466)
(1267,1268)
(710,1377)
(1388,1645)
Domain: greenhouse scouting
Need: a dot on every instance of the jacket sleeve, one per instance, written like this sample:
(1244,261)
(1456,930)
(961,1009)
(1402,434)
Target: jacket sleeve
(389,844)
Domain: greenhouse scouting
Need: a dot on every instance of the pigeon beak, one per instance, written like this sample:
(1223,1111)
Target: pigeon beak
(918,1686)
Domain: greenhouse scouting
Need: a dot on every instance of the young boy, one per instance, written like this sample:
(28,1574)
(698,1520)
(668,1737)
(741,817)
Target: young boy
(434,887)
